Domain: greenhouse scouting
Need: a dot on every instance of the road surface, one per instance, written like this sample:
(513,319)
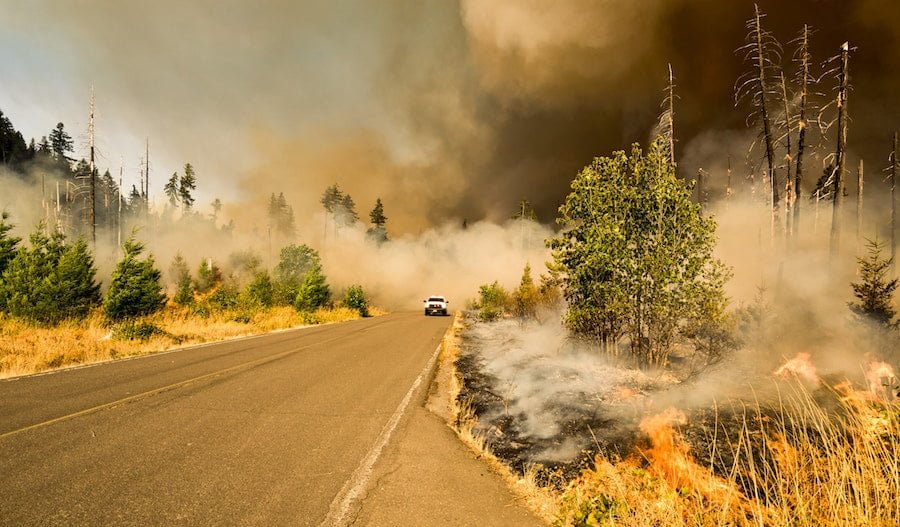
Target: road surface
(270,430)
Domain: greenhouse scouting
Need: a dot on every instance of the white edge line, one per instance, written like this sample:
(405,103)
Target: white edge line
(354,487)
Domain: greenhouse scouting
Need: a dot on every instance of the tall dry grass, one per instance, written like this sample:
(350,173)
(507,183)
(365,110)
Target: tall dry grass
(26,349)
(810,466)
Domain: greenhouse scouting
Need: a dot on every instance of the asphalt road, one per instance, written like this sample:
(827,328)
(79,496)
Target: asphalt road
(268,430)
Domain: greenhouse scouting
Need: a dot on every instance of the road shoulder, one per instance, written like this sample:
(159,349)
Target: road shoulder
(427,476)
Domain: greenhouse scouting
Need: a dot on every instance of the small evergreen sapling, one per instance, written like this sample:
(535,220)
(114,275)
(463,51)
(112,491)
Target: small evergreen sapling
(135,289)
(874,291)
(355,298)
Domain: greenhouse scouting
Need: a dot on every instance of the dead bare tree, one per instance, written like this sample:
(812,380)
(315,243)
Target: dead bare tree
(859,204)
(894,200)
(92,176)
(764,53)
(665,125)
(803,57)
(841,147)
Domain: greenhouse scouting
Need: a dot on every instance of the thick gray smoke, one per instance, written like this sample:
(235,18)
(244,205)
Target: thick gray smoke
(444,110)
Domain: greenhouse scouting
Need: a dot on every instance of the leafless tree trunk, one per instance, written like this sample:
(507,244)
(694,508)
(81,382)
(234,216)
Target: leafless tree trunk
(804,58)
(894,201)
(859,204)
(93,198)
(840,150)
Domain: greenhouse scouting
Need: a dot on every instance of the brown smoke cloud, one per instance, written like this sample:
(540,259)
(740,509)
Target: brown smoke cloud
(446,111)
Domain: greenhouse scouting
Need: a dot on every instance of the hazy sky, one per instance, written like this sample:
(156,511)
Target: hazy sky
(444,109)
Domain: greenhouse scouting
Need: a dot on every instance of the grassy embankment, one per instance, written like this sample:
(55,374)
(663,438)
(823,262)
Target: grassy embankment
(807,466)
(26,348)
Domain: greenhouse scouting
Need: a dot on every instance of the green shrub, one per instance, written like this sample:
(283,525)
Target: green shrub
(489,314)
(134,290)
(294,264)
(313,292)
(261,290)
(208,276)
(133,330)
(492,301)
(225,297)
(51,280)
(355,298)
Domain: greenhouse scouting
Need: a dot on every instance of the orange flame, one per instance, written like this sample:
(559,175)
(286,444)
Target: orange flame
(800,366)
(669,456)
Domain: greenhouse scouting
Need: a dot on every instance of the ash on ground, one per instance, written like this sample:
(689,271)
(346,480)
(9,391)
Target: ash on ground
(544,399)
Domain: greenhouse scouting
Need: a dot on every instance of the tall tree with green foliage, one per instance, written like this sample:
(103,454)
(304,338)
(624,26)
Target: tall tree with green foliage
(874,291)
(378,231)
(186,188)
(345,214)
(134,289)
(635,254)
(281,216)
(171,189)
(51,280)
(61,143)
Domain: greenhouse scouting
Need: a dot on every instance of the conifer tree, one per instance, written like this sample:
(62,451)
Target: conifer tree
(180,275)
(171,189)
(186,187)
(525,297)
(208,276)
(8,247)
(874,292)
(51,281)
(61,142)
(378,231)
(135,289)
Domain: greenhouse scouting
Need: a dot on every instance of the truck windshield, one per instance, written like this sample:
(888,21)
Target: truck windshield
(436,299)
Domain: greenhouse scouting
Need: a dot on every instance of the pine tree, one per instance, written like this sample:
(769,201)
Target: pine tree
(874,291)
(135,289)
(525,297)
(61,142)
(216,207)
(171,189)
(261,290)
(8,248)
(180,275)
(378,231)
(50,280)
(186,187)
(208,276)
(332,198)
(345,212)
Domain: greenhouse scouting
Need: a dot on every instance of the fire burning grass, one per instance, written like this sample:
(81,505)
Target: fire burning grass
(26,349)
(802,450)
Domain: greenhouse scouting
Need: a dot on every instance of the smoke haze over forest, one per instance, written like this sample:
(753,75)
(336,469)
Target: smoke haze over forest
(445,110)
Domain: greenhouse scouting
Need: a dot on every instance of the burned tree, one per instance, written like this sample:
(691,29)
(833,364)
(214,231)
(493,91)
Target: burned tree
(805,79)
(840,149)
(665,126)
(764,53)
(894,200)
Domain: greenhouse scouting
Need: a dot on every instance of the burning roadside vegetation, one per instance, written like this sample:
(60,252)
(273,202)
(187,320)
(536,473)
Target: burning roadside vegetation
(606,437)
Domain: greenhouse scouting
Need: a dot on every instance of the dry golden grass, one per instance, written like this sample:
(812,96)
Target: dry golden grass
(815,468)
(26,349)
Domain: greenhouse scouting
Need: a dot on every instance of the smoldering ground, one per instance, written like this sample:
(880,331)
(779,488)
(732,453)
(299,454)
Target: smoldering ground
(544,397)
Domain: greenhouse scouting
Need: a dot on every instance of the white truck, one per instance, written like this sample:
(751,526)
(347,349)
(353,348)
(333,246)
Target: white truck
(436,305)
